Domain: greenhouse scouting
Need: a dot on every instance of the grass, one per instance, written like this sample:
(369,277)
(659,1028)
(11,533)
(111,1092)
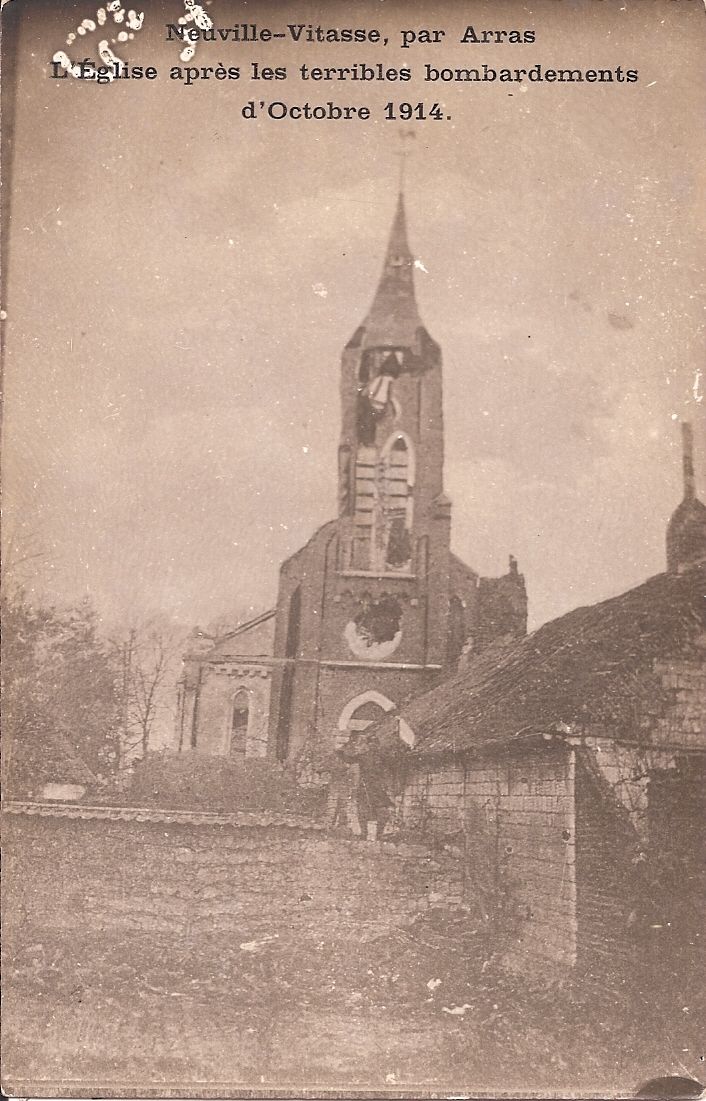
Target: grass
(144,1009)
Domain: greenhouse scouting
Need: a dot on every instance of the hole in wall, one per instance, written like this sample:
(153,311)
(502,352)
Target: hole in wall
(379,622)
(376,630)
(366,421)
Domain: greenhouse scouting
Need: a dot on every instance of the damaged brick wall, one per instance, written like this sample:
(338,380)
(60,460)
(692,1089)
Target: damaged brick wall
(514,814)
(502,608)
(244,882)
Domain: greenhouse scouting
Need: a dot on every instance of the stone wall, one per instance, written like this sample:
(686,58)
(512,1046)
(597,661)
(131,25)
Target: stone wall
(514,816)
(598,848)
(640,871)
(684,723)
(248,883)
(607,851)
(623,773)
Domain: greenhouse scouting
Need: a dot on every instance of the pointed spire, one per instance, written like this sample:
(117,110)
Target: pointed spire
(398,246)
(393,317)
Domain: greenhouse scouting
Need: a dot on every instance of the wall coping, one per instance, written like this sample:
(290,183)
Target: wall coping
(239,819)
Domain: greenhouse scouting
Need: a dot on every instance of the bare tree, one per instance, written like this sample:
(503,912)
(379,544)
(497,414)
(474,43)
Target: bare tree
(149,656)
(19,550)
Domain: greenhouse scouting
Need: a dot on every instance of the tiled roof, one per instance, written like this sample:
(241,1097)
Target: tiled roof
(593,667)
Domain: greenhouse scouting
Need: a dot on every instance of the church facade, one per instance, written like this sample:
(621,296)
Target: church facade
(375,609)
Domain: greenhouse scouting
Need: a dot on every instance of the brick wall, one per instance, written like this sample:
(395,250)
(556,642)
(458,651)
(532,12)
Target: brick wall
(502,608)
(246,882)
(514,817)
(338,686)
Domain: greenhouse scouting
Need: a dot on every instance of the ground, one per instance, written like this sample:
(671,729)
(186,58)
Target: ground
(428,1007)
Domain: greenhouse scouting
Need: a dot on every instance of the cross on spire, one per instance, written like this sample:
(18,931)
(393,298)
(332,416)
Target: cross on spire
(393,319)
(404,151)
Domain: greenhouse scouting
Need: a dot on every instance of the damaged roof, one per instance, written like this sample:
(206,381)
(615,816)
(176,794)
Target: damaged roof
(591,669)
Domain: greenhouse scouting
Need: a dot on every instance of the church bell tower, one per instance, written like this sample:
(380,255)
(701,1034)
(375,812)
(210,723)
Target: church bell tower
(394,520)
(375,607)
(391,452)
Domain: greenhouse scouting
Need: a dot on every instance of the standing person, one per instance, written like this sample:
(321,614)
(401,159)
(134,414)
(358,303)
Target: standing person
(340,791)
(374,802)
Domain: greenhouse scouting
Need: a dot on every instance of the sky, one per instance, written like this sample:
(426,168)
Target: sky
(181,283)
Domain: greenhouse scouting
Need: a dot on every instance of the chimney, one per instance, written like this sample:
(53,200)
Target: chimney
(686,530)
(687,437)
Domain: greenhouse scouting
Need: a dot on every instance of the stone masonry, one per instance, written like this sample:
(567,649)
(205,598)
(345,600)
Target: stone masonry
(515,816)
(245,882)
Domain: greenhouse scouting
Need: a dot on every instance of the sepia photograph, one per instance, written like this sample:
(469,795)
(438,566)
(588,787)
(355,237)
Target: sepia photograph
(353,549)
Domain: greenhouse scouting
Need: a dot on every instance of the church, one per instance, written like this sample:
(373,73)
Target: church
(375,609)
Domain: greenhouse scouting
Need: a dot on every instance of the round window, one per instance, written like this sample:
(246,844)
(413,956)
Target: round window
(376,631)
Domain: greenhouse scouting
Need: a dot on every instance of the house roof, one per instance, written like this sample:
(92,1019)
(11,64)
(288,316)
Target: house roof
(592,668)
(321,535)
(252,639)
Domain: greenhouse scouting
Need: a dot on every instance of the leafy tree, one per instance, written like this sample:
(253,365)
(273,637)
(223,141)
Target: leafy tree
(60,697)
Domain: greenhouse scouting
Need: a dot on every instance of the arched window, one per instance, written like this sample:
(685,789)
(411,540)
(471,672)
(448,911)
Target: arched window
(361,712)
(239,723)
(384,506)
(398,453)
(398,502)
(364,716)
